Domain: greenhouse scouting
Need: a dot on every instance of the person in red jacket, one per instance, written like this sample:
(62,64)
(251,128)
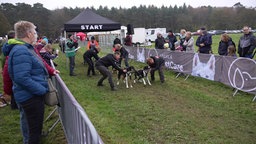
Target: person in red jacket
(128,40)
(7,82)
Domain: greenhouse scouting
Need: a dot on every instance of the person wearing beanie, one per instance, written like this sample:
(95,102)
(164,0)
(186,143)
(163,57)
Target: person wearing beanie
(204,41)
(92,44)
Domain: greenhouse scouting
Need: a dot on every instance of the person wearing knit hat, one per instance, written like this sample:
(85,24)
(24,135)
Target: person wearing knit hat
(204,41)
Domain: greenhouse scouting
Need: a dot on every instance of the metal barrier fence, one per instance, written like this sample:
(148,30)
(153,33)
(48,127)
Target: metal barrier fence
(77,126)
(106,42)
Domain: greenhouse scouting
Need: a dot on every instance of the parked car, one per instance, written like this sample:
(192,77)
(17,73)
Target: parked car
(216,32)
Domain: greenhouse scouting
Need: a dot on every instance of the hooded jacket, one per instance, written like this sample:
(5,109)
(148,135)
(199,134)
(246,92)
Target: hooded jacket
(28,74)
(7,82)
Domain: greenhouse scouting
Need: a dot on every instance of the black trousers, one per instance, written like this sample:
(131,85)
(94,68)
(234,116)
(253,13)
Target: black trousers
(34,114)
(71,64)
(160,71)
(105,74)
(90,65)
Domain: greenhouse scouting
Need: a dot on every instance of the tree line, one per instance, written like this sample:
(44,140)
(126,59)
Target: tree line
(51,22)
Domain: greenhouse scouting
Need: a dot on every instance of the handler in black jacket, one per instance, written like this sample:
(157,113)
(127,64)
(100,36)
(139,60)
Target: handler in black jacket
(156,63)
(102,65)
(88,58)
(124,54)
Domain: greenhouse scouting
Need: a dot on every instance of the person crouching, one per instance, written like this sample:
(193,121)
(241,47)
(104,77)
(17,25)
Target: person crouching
(156,63)
(88,55)
(102,65)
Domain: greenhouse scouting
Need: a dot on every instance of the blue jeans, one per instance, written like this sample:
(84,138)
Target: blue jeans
(34,114)
(90,66)
(23,125)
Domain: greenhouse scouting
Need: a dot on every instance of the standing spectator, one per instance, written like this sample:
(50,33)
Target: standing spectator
(40,45)
(124,54)
(62,45)
(177,46)
(88,58)
(246,44)
(7,82)
(189,42)
(45,39)
(225,42)
(29,74)
(159,42)
(2,58)
(71,53)
(156,63)
(182,38)
(204,42)
(92,43)
(102,65)
(47,55)
(128,40)
(171,39)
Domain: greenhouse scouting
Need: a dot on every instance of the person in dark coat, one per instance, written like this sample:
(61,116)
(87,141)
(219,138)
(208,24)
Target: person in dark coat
(102,65)
(156,63)
(124,54)
(204,42)
(88,55)
(159,42)
(224,43)
(47,55)
(171,38)
(246,44)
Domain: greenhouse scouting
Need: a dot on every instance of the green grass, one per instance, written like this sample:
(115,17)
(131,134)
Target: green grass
(192,111)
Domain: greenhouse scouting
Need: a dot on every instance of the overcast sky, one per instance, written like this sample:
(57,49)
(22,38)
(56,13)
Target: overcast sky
(53,4)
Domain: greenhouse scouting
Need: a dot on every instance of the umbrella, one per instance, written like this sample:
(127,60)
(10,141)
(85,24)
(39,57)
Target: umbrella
(81,35)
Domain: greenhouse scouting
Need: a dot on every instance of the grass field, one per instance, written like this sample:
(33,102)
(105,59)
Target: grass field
(192,111)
